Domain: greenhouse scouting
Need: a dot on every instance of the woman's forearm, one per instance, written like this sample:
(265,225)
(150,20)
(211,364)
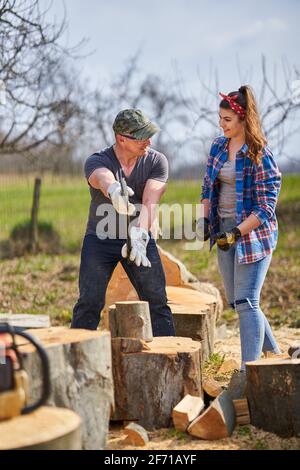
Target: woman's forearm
(206,207)
(250,223)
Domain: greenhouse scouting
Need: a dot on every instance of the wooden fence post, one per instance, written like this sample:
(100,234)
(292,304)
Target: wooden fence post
(33,234)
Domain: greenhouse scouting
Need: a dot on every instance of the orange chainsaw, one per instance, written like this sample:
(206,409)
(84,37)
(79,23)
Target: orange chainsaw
(14,393)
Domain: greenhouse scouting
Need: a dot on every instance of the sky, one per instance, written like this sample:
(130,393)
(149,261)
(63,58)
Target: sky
(186,37)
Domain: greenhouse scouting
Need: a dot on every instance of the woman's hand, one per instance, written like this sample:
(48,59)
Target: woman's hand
(202,229)
(227,239)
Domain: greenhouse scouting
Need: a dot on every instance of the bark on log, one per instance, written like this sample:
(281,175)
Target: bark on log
(149,383)
(217,421)
(131,319)
(44,429)
(273,391)
(80,375)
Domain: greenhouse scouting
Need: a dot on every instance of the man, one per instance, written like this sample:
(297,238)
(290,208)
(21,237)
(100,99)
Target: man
(104,245)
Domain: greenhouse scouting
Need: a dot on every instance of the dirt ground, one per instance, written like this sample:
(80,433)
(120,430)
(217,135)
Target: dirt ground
(244,437)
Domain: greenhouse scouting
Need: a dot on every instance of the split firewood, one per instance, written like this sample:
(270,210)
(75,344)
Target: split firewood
(131,319)
(228,365)
(136,435)
(217,421)
(212,387)
(242,411)
(186,411)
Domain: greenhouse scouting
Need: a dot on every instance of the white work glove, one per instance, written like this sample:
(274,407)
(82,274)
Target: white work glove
(139,241)
(118,201)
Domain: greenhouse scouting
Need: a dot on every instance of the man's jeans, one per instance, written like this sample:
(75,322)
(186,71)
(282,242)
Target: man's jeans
(98,261)
(243,283)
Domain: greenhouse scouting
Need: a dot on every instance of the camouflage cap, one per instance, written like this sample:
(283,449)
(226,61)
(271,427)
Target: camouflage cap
(134,123)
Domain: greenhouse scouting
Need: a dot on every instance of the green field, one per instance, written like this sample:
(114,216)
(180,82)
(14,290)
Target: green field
(64,202)
(49,283)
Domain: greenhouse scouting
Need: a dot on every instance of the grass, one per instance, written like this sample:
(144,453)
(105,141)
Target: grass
(44,282)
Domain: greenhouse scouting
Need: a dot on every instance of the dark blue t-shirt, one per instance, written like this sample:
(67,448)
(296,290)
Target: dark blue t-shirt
(103,219)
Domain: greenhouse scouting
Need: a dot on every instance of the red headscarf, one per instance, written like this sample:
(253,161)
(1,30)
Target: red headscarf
(237,108)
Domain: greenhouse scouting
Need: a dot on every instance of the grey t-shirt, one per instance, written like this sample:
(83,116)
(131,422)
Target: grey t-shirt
(227,195)
(103,219)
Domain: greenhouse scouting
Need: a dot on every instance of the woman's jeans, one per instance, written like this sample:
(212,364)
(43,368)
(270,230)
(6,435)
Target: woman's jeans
(243,283)
(98,261)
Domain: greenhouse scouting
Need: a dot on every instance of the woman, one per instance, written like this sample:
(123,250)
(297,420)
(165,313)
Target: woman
(239,194)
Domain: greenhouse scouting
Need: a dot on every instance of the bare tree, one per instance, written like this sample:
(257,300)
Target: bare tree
(40,90)
(157,98)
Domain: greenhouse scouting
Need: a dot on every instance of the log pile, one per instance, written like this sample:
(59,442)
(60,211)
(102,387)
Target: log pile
(151,377)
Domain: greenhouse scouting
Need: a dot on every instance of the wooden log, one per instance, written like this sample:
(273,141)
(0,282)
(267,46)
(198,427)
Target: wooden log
(217,421)
(47,428)
(136,435)
(229,365)
(237,387)
(80,375)
(186,411)
(120,288)
(149,383)
(273,391)
(24,320)
(194,316)
(132,320)
(212,387)
(242,411)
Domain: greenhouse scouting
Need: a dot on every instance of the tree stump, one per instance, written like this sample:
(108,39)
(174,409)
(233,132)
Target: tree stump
(149,383)
(44,429)
(130,320)
(194,315)
(80,376)
(273,392)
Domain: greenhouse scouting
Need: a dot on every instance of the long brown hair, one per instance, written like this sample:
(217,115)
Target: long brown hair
(255,138)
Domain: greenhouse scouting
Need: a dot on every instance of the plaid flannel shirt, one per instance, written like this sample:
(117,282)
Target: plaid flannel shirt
(257,190)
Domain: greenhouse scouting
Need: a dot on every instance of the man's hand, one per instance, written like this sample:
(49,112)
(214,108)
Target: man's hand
(227,239)
(118,201)
(202,229)
(139,241)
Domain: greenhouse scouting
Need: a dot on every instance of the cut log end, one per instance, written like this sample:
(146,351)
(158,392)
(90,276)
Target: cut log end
(136,435)
(217,421)
(186,411)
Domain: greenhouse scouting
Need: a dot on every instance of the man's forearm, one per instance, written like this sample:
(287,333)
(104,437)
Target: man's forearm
(102,179)
(148,214)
